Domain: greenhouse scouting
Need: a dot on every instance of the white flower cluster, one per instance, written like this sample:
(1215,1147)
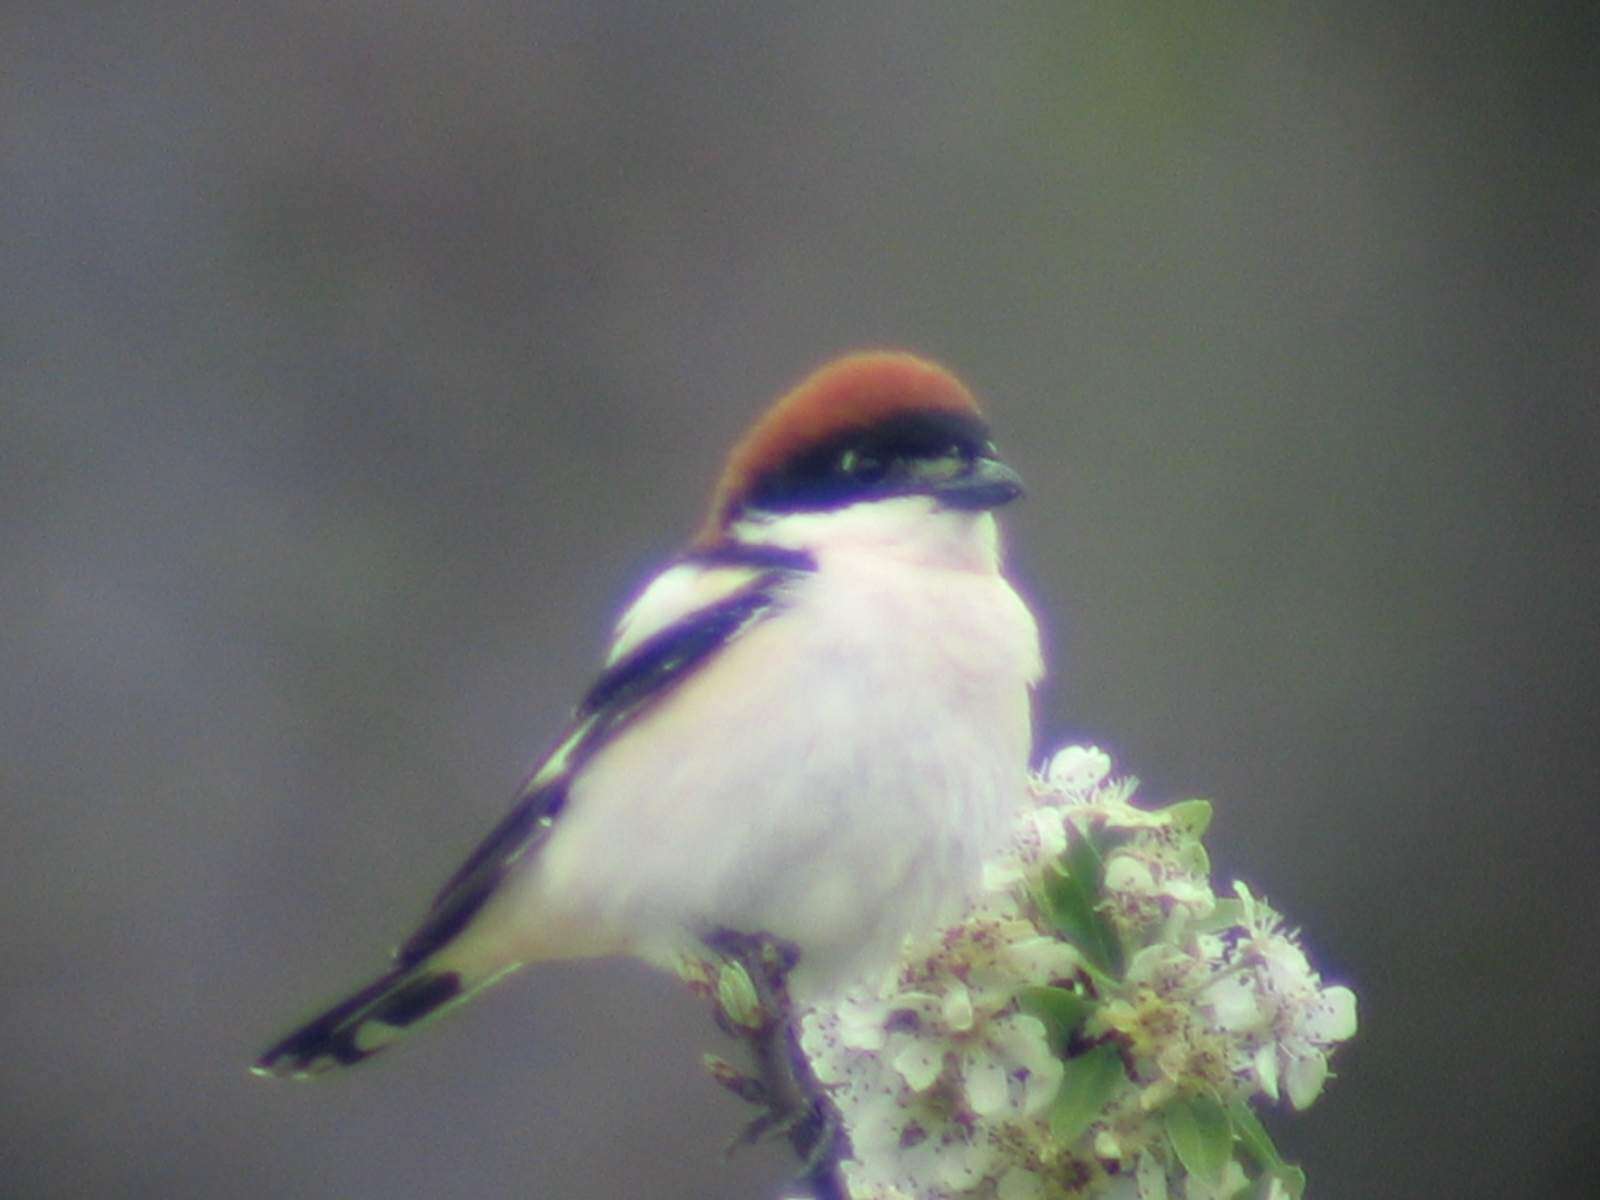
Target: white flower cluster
(1097,1026)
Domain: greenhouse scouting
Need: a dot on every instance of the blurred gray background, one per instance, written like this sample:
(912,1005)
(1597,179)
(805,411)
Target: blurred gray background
(324,327)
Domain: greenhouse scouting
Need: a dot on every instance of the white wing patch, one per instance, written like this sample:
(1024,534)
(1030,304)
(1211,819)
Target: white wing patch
(678,591)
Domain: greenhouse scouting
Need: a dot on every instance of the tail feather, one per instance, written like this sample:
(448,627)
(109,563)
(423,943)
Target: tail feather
(360,1026)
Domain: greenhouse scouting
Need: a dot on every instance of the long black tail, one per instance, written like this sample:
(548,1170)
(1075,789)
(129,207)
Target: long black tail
(363,1024)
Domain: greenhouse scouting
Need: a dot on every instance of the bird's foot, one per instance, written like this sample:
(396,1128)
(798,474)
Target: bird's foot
(752,1004)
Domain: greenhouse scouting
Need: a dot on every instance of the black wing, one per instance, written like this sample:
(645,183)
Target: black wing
(625,690)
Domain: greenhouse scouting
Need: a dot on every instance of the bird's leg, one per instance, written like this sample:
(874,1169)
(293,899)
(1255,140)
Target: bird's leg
(753,1005)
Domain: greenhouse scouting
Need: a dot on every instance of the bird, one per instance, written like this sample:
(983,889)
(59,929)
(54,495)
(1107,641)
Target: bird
(814,724)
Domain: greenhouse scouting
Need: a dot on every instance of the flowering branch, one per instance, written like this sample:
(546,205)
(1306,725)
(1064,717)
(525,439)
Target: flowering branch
(1099,1025)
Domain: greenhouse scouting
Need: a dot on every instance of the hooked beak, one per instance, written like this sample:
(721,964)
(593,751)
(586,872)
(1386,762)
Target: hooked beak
(989,484)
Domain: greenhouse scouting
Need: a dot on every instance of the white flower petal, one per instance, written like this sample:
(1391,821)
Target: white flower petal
(986,1082)
(1041,959)
(860,1023)
(1191,893)
(1334,1019)
(1305,1077)
(1041,1086)
(1235,1004)
(1151,1177)
(816,1037)
(1019,1183)
(957,1008)
(962,1166)
(1125,873)
(919,1062)
(1052,834)
(1266,1065)
(829,1068)
(1022,1039)
(1077,768)
(1002,876)
(877,1127)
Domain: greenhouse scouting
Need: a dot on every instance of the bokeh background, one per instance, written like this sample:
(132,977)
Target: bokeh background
(358,357)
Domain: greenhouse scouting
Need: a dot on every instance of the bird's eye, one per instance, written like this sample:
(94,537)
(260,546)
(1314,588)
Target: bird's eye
(867,468)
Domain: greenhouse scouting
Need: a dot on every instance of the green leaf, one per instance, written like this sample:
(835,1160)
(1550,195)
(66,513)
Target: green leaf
(1253,1136)
(1201,1137)
(1084,863)
(1089,1081)
(737,997)
(1257,1143)
(1069,895)
(1062,1011)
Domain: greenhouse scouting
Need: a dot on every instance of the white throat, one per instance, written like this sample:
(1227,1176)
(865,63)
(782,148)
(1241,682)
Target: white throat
(909,528)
